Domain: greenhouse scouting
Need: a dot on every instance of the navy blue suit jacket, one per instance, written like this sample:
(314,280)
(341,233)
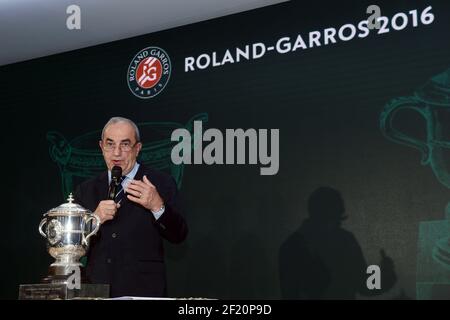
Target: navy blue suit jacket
(127,253)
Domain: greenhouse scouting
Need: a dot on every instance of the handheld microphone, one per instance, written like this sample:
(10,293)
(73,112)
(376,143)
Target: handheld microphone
(116,175)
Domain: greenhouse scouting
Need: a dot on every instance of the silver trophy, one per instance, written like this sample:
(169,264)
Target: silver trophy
(67,229)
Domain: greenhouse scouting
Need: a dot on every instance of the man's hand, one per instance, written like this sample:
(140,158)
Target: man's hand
(106,210)
(144,193)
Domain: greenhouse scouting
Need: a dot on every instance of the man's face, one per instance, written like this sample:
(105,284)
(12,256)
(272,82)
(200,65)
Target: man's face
(119,146)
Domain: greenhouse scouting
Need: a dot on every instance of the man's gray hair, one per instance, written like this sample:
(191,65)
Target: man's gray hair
(115,120)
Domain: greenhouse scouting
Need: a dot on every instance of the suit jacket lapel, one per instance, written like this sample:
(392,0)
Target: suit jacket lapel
(102,186)
(140,173)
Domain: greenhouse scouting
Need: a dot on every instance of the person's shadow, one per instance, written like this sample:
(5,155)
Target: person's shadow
(321,260)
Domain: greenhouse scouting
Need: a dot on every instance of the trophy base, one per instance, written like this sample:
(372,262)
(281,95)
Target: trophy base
(441,252)
(60,291)
(59,274)
(433,291)
(433,261)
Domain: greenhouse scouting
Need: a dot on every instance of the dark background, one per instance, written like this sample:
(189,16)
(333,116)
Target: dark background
(326,101)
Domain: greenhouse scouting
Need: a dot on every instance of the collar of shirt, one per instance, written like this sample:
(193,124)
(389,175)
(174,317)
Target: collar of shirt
(130,176)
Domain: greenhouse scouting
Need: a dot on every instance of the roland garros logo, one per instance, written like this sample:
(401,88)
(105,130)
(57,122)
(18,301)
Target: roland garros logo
(149,72)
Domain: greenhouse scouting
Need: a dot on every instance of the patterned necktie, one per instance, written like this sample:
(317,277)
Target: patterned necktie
(120,194)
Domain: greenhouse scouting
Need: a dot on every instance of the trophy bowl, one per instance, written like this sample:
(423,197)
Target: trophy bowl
(67,229)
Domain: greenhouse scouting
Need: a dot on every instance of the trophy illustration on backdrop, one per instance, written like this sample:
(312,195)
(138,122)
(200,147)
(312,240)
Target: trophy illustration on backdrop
(432,103)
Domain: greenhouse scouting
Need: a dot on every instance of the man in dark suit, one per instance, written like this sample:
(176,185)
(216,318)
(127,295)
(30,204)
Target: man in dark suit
(127,252)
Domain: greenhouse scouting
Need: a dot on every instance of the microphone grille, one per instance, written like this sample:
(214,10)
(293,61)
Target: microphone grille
(116,172)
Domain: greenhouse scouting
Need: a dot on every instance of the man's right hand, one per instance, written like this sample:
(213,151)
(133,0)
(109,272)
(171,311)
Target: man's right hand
(106,210)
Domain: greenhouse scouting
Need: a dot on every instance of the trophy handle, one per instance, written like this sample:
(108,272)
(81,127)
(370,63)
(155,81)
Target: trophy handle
(390,132)
(96,227)
(41,224)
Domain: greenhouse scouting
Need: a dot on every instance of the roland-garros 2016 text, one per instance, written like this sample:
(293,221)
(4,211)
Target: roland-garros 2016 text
(347,32)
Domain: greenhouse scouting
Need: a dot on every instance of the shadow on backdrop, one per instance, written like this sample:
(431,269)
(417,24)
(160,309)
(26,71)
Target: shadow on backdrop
(248,266)
(321,260)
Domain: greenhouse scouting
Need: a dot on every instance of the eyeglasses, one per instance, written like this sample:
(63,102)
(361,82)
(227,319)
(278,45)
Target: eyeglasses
(125,146)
